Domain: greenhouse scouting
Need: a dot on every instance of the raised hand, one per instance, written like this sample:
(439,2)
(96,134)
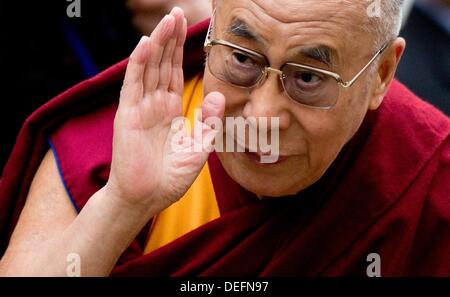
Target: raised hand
(146,171)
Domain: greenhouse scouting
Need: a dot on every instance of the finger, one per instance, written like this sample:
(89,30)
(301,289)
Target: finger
(165,72)
(177,82)
(158,41)
(165,69)
(213,106)
(132,88)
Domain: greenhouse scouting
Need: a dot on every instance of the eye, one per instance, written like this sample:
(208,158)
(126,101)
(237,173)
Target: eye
(243,59)
(307,80)
(307,77)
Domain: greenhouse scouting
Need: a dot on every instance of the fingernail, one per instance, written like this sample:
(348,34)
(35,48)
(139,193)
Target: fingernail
(165,18)
(168,17)
(143,38)
(176,7)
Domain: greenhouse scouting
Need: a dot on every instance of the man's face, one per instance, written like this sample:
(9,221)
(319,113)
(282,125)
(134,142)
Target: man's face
(310,139)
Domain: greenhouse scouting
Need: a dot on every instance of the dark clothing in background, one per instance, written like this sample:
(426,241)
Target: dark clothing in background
(43,52)
(425,66)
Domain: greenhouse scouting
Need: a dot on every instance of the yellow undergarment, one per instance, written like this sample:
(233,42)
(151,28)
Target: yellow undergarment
(198,206)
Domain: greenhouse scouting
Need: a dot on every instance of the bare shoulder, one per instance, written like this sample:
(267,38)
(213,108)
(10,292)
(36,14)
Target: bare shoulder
(47,211)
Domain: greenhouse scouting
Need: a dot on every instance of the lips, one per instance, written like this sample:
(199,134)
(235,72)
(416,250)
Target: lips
(258,158)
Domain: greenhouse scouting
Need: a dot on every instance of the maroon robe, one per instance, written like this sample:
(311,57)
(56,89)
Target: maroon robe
(388,192)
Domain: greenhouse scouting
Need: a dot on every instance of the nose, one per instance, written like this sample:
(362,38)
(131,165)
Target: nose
(268,100)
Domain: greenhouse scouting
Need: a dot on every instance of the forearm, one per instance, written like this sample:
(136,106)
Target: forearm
(100,233)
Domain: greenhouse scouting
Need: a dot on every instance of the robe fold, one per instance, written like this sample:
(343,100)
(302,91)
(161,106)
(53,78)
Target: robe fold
(388,192)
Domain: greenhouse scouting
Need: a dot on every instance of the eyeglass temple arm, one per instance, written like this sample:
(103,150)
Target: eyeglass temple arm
(210,28)
(351,82)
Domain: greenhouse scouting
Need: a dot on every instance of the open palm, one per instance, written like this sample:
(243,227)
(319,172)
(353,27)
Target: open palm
(145,168)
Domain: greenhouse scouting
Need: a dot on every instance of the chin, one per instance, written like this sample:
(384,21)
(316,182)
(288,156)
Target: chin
(267,189)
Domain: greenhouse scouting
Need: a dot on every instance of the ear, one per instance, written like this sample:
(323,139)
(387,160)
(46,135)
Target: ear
(386,71)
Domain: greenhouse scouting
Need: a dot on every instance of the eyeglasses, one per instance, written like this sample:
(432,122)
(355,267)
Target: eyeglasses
(244,68)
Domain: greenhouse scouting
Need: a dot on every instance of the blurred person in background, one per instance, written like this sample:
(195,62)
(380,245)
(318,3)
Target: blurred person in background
(425,67)
(148,13)
(45,52)
(48,52)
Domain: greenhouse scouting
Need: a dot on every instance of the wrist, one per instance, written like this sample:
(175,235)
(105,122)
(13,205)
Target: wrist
(119,204)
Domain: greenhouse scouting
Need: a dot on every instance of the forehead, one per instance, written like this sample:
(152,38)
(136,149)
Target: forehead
(297,10)
(290,23)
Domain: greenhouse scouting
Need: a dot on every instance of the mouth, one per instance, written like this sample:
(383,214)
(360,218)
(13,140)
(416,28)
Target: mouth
(265,159)
(259,158)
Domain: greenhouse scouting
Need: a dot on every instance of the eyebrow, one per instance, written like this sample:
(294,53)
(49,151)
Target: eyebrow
(321,53)
(239,28)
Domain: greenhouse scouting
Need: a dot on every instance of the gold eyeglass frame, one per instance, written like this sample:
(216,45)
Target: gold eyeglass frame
(209,43)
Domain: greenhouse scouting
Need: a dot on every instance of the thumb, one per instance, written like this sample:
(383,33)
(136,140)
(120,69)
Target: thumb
(213,106)
(209,124)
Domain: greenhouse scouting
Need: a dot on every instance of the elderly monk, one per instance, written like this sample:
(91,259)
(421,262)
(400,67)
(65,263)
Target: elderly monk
(362,177)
